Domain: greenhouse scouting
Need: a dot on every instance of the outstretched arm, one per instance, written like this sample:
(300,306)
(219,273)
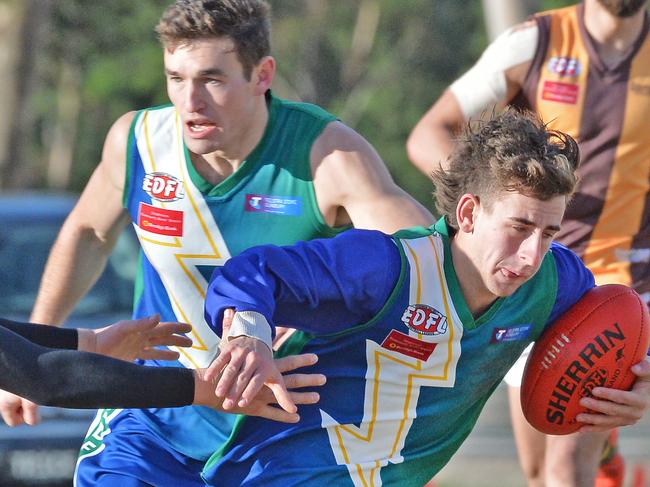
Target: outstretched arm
(492,82)
(321,286)
(353,185)
(68,378)
(80,251)
(88,235)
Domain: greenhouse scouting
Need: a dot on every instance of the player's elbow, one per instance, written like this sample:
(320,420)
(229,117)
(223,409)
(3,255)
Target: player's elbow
(416,150)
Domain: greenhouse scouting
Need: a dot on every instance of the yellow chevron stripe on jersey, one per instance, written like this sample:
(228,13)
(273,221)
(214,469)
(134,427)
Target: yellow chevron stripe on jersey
(393,380)
(179,256)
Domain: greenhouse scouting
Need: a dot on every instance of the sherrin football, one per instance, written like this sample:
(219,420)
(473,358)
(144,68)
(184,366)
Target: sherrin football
(593,344)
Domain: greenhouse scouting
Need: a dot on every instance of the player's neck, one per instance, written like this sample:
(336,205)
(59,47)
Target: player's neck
(614,36)
(477,298)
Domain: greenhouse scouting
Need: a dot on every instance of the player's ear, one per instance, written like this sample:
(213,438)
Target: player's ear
(263,74)
(466,211)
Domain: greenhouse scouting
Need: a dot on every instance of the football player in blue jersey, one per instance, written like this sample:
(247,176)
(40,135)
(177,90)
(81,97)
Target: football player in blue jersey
(225,166)
(413,331)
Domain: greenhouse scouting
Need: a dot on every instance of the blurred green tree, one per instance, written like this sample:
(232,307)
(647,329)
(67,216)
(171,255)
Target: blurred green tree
(377,64)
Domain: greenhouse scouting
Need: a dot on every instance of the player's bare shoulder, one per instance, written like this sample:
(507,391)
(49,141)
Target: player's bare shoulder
(337,139)
(113,161)
(342,156)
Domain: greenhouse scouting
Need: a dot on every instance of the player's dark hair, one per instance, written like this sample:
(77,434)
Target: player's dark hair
(246,22)
(512,152)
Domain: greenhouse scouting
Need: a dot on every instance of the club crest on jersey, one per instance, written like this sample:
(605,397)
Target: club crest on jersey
(424,319)
(564,66)
(163,187)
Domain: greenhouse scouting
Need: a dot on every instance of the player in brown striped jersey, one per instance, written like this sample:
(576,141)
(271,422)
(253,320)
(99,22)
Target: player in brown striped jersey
(586,70)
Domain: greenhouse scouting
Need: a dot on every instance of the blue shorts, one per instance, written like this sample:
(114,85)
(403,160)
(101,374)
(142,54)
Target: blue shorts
(120,450)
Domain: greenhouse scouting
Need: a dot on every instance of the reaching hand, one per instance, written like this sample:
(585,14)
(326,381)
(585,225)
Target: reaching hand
(246,364)
(131,339)
(613,408)
(16,410)
(262,404)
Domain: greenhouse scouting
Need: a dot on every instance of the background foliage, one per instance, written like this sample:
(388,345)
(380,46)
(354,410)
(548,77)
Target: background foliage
(377,64)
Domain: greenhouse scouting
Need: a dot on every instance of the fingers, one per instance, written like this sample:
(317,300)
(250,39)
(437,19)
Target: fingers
(170,328)
(158,354)
(282,396)
(30,412)
(228,315)
(169,334)
(12,417)
(642,369)
(11,410)
(277,414)
(613,397)
(169,341)
(231,364)
(146,323)
(273,413)
(214,369)
(244,390)
(292,362)
(303,398)
(248,365)
(610,408)
(296,381)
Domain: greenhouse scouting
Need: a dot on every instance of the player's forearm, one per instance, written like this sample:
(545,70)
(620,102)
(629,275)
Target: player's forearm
(67,378)
(46,336)
(429,145)
(321,286)
(76,261)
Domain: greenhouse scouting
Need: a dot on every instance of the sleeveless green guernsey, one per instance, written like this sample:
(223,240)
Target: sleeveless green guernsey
(187,226)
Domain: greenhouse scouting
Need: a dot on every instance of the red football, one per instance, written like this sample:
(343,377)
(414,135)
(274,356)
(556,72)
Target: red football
(593,344)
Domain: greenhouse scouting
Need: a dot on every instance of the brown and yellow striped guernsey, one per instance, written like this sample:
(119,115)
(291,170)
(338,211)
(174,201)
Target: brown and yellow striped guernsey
(607,109)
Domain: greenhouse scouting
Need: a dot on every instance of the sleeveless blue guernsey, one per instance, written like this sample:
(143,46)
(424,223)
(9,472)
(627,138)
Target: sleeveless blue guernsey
(404,388)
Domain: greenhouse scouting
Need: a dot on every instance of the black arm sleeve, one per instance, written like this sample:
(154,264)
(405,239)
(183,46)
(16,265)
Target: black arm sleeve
(48,336)
(67,378)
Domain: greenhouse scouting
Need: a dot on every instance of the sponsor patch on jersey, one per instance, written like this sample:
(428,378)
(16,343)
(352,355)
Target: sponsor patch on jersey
(511,333)
(560,92)
(160,220)
(280,205)
(408,345)
(163,187)
(424,319)
(564,66)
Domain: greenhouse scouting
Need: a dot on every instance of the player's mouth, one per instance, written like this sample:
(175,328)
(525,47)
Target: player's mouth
(512,275)
(200,129)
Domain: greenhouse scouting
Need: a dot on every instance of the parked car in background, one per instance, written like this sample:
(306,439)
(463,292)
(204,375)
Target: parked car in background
(46,454)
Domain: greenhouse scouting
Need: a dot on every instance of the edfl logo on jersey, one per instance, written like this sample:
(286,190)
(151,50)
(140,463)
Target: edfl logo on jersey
(163,187)
(424,319)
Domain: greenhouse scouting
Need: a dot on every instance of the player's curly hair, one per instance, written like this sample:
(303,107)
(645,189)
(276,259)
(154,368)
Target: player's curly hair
(246,22)
(512,152)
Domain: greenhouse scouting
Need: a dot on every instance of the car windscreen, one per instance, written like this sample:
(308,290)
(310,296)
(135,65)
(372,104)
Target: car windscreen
(24,249)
